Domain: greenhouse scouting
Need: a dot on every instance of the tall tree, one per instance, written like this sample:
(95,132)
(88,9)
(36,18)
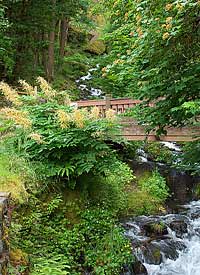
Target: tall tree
(155,53)
(34,28)
(6,52)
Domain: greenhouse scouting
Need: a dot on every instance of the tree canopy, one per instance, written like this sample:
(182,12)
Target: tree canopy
(155,56)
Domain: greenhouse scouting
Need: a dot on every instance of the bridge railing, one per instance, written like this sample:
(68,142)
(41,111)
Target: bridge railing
(119,105)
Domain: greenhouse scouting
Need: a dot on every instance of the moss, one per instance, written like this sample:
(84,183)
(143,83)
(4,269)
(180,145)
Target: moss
(197,191)
(10,180)
(141,203)
(96,46)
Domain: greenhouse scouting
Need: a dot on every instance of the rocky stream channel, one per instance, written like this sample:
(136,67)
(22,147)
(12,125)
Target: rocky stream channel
(167,244)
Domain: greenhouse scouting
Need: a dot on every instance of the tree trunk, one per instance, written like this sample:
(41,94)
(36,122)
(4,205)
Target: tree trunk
(50,61)
(64,26)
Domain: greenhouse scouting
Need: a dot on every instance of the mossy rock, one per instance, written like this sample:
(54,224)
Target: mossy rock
(18,258)
(96,47)
(152,254)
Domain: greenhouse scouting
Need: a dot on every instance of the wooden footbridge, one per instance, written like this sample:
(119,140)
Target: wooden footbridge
(130,128)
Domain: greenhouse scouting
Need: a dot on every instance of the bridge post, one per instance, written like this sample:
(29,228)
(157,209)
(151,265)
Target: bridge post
(108,101)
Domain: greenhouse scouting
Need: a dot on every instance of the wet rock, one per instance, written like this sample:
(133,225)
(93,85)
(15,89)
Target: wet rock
(138,268)
(155,229)
(180,227)
(195,215)
(170,248)
(152,254)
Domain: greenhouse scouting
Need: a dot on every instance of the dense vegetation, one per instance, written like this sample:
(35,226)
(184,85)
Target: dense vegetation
(67,172)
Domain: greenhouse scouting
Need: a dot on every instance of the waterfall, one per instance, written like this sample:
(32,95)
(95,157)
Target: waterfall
(82,84)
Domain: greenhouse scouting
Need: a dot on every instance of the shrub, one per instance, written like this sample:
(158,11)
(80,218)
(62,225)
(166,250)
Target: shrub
(156,186)
(140,202)
(64,143)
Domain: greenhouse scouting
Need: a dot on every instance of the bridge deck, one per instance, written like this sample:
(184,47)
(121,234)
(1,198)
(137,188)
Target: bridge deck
(131,130)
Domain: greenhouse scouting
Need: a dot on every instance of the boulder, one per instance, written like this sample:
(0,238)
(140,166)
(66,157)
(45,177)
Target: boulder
(96,47)
(152,229)
(179,227)
(152,254)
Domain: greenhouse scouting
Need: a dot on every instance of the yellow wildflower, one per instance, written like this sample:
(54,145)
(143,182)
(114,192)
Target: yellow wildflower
(126,15)
(37,137)
(104,69)
(28,88)
(138,18)
(10,94)
(131,33)
(67,100)
(139,31)
(78,118)
(165,35)
(104,75)
(19,117)
(94,113)
(168,7)
(63,118)
(46,88)
(110,115)
(169,20)
(168,26)
(180,6)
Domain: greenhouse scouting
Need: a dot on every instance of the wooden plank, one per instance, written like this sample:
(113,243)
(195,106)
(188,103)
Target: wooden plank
(120,101)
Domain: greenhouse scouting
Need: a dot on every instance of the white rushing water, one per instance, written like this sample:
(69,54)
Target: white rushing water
(83,85)
(188,261)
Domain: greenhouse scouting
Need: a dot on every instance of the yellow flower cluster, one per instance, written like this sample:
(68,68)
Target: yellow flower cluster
(37,137)
(138,18)
(165,35)
(63,118)
(168,7)
(126,15)
(118,61)
(110,115)
(169,20)
(46,88)
(179,6)
(10,94)
(94,114)
(78,118)
(140,32)
(28,88)
(19,117)
(67,100)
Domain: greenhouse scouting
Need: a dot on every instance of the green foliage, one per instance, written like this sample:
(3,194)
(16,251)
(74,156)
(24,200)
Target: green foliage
(62,142)
(190,158)
(155,186)
(158,152)
(155,57)
(140,202)
(30,25)
(55,266)
(94,244)
(16,175)
(109,191)
(6,51)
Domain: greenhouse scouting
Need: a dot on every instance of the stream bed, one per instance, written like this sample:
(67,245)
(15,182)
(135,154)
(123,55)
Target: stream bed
(168,244)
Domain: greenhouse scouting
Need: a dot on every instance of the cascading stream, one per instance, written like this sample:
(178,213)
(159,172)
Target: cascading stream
(176,251)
